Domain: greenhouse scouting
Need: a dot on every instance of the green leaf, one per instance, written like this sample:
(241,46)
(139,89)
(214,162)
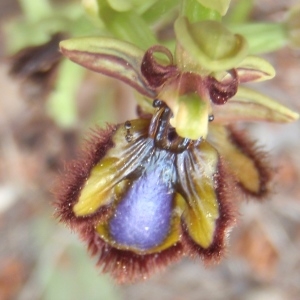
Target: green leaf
(262,37)
(128,26)
(111,57)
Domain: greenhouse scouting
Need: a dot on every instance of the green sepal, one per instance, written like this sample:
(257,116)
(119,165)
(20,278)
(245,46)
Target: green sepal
(250,105)
(111,57)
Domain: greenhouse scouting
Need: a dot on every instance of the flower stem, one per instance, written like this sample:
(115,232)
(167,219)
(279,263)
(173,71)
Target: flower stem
(240,12)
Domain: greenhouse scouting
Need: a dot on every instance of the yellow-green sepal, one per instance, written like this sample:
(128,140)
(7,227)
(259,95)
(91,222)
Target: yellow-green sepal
(250,105)
(111,57)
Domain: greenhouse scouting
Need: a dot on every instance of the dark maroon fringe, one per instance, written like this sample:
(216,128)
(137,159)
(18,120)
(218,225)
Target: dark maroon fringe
(259,157)
(227,195)
(76,173)
(126,266)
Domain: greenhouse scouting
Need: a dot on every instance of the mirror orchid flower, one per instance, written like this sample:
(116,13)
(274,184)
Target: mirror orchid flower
(152,190)
(142,197)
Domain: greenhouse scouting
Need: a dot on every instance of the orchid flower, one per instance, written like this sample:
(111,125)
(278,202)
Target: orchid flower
(151,190)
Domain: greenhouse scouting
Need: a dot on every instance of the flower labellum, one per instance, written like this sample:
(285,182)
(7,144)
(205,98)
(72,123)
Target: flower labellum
(142,197)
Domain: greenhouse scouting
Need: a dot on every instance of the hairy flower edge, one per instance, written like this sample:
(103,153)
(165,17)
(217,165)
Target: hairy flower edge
(127,266)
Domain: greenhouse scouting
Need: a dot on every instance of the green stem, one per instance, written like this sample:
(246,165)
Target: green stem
(240,12)
(61,105)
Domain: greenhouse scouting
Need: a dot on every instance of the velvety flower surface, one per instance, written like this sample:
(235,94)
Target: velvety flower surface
(142,197)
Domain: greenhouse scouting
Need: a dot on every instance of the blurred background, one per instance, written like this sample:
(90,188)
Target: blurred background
(41,259)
